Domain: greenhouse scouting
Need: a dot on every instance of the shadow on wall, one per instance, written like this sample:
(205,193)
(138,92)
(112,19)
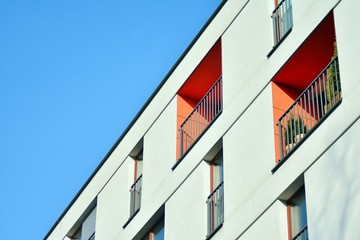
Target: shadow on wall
(336,191)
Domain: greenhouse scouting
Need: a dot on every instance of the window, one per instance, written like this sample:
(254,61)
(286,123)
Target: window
(86,230)
(77,235)
(215,201)
(282,20)
(297,220)
(135,190)
(157,232)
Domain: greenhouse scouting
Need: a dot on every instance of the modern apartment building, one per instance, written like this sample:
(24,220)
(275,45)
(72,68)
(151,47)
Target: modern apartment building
(253,134)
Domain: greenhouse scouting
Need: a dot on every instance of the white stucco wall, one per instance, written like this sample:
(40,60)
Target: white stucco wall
(186,212)
(333,190)
(271,225)
(113,202)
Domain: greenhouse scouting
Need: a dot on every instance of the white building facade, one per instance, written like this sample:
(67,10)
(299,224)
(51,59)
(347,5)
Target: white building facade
(251,135)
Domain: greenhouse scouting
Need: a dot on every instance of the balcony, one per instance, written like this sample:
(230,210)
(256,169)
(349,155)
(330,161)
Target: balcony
(309,109)
(302,235)
(302,95)
(201,117)
(282,20)
(199,102)
(135,196)
(215,209)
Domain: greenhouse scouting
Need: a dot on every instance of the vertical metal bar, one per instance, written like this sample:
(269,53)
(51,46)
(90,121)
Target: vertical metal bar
(212,103)
(333,90)
(302,116)
(222,202)
(291,128)
(221,95)
(282,122)
(313,105)
(305,108)
(181,141)
(212,213)
(321,97)
(281,13)
(198,120)
(328,87)
(337,75)
(280,140)
(287,143)
(201,115)
(209,217)
(206,110)
(131,201)
(274,27)
(324,84)
(218,97)
(317,100)
(297,125)
(309,112)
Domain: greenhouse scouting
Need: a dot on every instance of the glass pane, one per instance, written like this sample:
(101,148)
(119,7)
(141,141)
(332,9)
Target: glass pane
(158,232)
(218,170)
(218,175)
(298,213)
(139,164)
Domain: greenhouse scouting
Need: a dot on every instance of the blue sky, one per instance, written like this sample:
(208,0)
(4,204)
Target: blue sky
(73,74)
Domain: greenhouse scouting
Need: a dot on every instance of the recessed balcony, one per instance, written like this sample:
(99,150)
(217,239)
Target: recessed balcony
(305,89)
(199,102)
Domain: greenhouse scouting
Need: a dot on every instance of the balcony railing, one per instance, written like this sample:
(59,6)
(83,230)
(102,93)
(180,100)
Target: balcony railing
(206,111)
(215,209)
(282,20)
(309,108)
(135,196)
(302,235)
(92,237)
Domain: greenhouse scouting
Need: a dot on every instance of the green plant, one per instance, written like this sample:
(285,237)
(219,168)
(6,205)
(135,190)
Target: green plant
(295,126)
(333,87)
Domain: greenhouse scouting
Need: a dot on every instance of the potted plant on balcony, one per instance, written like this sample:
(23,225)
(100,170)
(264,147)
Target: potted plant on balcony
(333,87)
(294,132)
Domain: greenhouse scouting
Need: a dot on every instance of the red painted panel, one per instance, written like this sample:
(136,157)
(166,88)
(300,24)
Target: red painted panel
(310,58)
(204,76)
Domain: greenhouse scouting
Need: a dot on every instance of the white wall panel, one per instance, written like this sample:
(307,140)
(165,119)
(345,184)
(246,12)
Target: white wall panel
(186,212)
(272,225)
(113,203)
(333,190)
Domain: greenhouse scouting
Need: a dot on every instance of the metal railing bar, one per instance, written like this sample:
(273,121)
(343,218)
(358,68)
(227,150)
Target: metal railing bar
(309,86)
(304,230)
(321,97)
(136,181)
(217,188)
(217,81)
(278,6)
